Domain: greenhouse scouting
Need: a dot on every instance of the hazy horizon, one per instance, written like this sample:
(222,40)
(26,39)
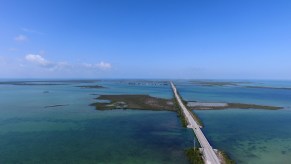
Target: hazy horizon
(157,79)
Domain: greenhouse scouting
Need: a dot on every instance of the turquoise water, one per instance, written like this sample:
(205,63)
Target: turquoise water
(257,136)
(248,136)
(77,133)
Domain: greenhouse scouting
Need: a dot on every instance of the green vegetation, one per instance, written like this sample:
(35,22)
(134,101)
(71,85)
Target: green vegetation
(226,158)
(197,119)
(180,113)
(142,102)
(194,115)
(183,101)
(194,156)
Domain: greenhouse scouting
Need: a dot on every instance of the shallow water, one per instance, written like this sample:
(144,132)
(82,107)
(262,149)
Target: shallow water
(248,136)
(77,133)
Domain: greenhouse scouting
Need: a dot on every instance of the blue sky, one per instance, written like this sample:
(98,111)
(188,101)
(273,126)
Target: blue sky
(233,39)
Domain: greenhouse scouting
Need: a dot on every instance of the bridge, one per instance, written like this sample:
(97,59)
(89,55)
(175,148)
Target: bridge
(209,155)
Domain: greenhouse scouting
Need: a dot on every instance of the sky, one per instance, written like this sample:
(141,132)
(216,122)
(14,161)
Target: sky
(160,39)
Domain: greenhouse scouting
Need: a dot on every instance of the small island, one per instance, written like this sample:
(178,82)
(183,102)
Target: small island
(142,102)
(217,106)
(216,83)
(144,82)
(58,105)
(30,83)
(91,86)
(268,87)
(234,84)
(148,83)
(47,82)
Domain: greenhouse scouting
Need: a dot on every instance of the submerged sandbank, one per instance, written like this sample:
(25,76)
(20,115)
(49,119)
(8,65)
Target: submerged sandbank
(217,106)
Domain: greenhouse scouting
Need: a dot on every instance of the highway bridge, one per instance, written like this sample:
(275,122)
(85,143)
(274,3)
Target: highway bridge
(209,156)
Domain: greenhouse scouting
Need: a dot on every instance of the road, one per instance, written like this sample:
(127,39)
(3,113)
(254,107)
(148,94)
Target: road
(208,153)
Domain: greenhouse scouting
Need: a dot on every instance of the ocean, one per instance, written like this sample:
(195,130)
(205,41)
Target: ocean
(52,122)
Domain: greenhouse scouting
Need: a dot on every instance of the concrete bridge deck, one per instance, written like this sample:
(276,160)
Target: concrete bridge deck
(209,155)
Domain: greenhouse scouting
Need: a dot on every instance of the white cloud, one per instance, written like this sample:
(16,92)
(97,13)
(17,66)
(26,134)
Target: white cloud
(37,59)
(41,61)
(102,65)
(20,38)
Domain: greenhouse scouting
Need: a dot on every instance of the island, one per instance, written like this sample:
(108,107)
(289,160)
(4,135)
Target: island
(144,82)
(147,102)
(47,82)
(216,83)
(58,105)
(234,84)
(142,102)
(91,86)
(268,87)
(30,83)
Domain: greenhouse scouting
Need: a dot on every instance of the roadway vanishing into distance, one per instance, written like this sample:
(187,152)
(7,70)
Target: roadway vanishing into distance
(209,155)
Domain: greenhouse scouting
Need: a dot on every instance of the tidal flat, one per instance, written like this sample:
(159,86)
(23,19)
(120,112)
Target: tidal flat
(220,106)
